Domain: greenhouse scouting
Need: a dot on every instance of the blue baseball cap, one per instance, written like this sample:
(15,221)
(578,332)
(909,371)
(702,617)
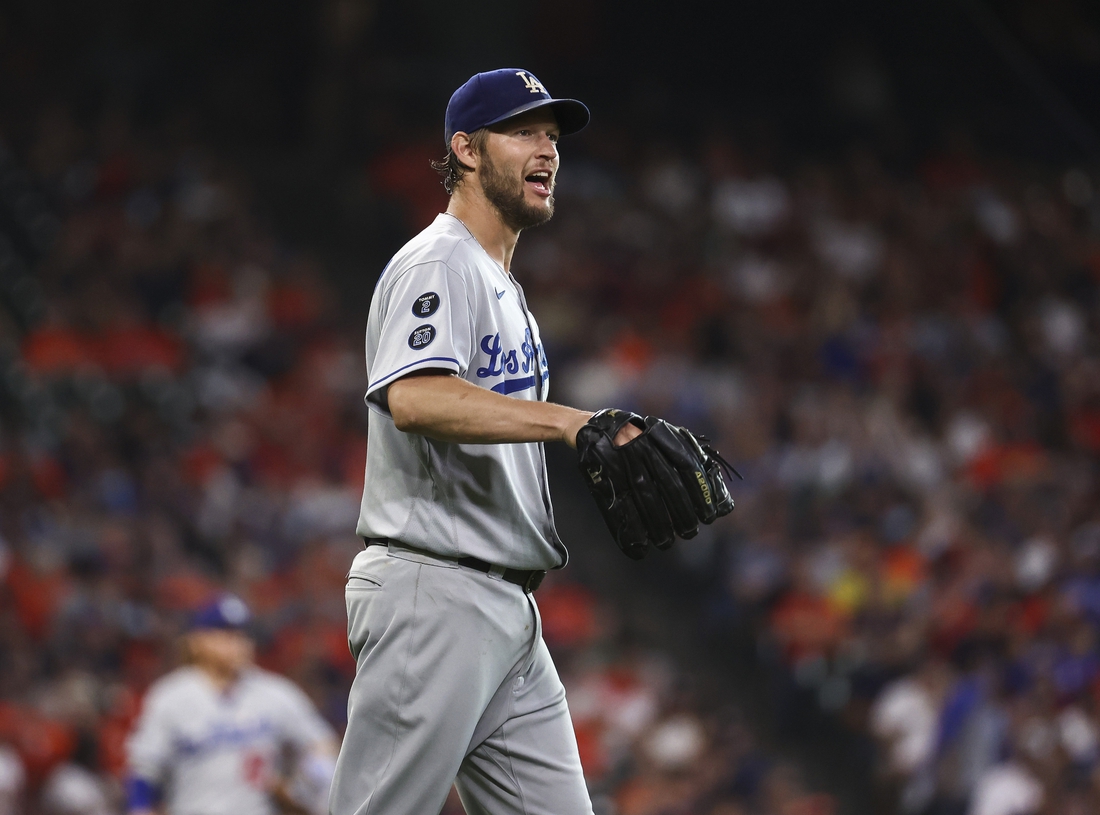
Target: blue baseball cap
(493,96)
(226,611)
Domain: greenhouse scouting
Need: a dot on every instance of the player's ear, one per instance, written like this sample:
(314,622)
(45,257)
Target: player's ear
(465,151)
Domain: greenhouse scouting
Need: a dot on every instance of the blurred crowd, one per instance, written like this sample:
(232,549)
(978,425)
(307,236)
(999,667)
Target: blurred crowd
(906,362)
(182,414)
(903,361)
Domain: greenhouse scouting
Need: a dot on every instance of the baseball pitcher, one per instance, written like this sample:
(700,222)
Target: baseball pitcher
(454,683)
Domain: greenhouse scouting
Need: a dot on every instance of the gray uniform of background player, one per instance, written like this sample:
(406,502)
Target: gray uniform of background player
(212,752)
(453,677)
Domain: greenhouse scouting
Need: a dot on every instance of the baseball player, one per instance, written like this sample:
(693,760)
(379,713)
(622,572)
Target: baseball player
(213,736)
(453,682)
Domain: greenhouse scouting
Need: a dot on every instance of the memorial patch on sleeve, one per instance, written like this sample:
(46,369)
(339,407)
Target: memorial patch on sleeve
(425,305)
(422,337)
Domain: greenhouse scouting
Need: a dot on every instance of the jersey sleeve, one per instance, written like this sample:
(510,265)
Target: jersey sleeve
(424,321)
(301,726)
(149,747)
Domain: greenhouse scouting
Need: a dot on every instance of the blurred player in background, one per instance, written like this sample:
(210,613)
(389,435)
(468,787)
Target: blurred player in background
(221,735)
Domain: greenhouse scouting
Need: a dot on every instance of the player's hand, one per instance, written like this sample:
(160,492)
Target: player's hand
(626,433)
(285,802)
(652,481)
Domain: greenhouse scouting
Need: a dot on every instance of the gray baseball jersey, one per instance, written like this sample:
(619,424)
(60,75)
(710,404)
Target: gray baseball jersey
(213,752)
(442,302)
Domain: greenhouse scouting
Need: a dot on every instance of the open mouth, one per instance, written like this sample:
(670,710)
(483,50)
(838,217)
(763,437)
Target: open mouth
(540,181)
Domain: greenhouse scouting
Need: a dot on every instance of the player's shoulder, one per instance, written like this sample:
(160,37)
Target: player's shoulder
(445,242)
(269,682)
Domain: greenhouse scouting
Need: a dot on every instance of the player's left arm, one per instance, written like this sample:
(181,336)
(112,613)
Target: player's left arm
(315,746)
(305,791)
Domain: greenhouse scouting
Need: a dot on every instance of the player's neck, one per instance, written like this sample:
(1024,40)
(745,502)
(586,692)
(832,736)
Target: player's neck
(222,678)
(484,222)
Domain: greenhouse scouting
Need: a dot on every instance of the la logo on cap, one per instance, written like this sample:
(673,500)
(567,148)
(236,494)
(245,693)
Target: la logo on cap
(532,84)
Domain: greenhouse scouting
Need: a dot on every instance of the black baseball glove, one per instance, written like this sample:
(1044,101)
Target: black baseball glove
(658,485)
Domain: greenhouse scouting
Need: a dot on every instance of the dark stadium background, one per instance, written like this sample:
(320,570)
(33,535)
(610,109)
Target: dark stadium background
(299,94)
(323,116)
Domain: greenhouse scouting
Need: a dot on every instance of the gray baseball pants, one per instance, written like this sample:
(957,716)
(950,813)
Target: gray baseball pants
(453,684)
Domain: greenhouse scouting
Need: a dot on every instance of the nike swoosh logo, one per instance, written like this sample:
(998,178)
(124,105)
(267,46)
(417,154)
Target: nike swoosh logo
(499,293)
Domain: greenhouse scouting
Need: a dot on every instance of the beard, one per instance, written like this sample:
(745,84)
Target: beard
(506,196)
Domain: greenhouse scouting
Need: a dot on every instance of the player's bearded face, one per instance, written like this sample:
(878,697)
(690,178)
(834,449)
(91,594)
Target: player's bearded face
(505,189)
(518,168)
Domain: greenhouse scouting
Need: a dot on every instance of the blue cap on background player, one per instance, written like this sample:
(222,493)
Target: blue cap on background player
(226,611)
(491,97)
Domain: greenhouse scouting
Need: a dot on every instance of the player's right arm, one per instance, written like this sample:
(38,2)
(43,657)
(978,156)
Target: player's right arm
(148,752)
(142,795)
(424,336)
(143,805)
(444,407)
